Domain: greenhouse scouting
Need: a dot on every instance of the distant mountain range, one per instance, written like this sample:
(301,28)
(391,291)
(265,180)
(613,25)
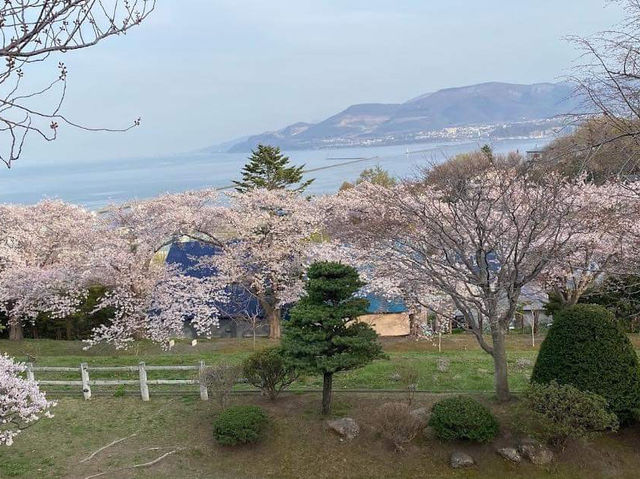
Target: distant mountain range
(487,110)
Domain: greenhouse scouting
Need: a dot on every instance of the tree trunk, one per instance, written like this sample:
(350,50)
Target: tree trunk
(413,326)
(273,316)
(69,328)
(16,333)
(327,386)
(254,337)
(500,363)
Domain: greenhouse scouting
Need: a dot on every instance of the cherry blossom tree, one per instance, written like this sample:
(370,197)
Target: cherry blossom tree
(52,252)
(607,246)
(478,238)
(150,298)
(265,238)
(32,32)
(21,401)
(43,248)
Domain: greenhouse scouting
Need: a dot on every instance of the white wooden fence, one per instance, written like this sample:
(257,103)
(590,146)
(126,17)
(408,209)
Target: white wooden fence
(86,382)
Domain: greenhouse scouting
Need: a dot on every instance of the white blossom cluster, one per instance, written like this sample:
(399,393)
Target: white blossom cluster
(21,401)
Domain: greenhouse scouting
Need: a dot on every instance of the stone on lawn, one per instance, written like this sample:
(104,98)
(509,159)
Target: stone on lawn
(345,427)
(443,365)
(535,452)
(523,363)
(510,453)
(460,459)
(395,377)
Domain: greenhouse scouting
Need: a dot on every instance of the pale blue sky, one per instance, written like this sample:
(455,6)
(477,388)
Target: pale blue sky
(200,72)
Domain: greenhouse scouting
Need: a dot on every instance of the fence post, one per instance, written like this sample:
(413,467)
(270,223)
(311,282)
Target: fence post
(204,394)
(144,387)
(84,373)
(30,375)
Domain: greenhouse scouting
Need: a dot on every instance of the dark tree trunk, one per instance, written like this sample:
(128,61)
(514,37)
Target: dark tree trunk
(69,328)
(327,387)
(16,333)
(500,364)
(273,316)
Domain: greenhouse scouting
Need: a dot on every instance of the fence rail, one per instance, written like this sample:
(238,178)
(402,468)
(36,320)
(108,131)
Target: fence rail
(86,382)
(143,382)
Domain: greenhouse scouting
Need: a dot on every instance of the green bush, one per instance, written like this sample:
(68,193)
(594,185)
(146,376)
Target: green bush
(268,371)
(240,425)
(586,348)
(555,413)
(463,417)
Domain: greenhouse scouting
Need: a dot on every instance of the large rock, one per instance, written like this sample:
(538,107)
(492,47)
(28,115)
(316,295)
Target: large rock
(523,363)
(421,414)
(460,459)
(345,427)
(535,452)
(511,454)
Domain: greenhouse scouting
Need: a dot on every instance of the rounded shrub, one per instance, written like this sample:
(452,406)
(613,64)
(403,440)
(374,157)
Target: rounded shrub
(463,417)
(240,425)
(586,348)
(268,371)
(557,412)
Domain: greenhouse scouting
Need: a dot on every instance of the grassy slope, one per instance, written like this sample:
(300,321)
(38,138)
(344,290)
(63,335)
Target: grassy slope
(297,445)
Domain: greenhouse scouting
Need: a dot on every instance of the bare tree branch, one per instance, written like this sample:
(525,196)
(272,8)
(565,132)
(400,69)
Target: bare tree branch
(33,30)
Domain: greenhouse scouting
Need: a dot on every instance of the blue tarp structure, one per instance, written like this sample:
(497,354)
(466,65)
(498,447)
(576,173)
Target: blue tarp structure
(381,305)
(186,256)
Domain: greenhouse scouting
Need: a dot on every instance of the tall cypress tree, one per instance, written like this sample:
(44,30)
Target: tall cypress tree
(321,336)
(269,168)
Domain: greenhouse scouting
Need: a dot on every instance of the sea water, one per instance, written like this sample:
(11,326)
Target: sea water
(94,184)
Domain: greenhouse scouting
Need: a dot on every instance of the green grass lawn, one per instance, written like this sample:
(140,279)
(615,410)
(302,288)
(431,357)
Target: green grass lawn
(467,367)
(297,444)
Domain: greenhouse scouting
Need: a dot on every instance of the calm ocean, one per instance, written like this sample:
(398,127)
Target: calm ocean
(95,184)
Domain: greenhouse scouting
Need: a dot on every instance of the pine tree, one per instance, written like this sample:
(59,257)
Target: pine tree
(322,336)
(268,168)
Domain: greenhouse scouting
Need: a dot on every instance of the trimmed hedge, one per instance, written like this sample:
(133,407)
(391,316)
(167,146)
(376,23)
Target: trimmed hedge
(586,348)
(240,425)
(464,418)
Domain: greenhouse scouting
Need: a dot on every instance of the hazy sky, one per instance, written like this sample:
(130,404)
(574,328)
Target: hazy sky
(200,72)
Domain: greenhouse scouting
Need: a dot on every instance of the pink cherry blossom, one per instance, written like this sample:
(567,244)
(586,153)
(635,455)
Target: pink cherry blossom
(21,401)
